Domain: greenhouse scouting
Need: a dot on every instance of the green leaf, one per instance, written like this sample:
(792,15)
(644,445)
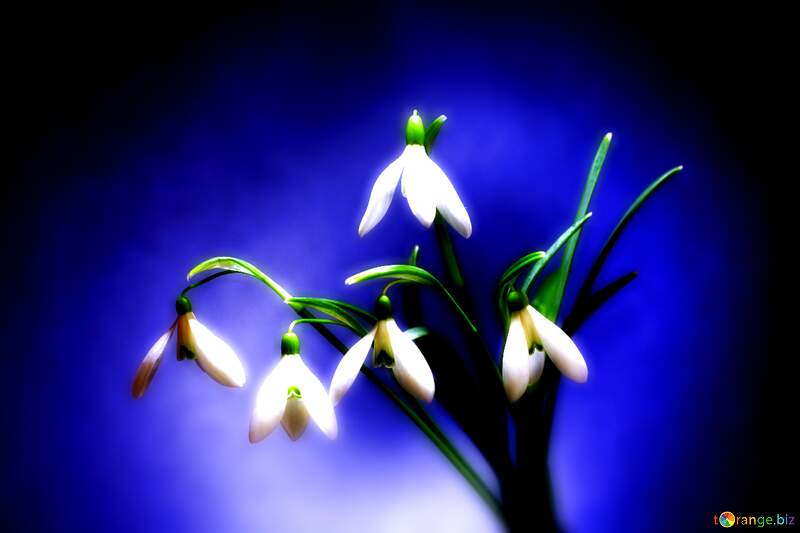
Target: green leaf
(241,266)
(552,251)
(583,310)
(594,271)
(432,131)
(518,266)
(412,259)
(417,332)
(572,243)
(409,273)
(544,298)
(341,311)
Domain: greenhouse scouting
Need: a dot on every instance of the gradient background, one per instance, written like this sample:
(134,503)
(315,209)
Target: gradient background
(144,142)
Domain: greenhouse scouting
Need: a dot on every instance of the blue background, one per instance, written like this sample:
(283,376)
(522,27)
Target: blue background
(260,136)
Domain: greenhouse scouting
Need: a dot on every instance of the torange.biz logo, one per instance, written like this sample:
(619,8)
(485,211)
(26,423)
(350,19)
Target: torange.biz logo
(728,519)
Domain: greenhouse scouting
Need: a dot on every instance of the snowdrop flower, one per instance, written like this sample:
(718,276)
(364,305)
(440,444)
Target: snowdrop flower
(391,348)
(530,337)
(291,394)
(426,187)
(195,341)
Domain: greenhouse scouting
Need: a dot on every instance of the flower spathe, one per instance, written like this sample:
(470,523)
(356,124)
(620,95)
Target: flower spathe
(195,341)
(530,336)
(424,184)
(392,348)
(291,394)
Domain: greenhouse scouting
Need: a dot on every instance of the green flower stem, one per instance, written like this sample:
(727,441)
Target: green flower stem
(449,255)
(418,416)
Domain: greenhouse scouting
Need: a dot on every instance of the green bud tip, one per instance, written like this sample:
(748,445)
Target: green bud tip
(517,301)
(290,343)
(383,307)
(183,305)
(415,129)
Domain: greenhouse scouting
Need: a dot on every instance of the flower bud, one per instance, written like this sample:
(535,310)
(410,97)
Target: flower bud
(383,307)
(415,129)
(290,344)
(183,305)
(517,301)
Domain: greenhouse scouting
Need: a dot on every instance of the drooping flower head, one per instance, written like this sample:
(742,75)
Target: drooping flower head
(290,394)
(426,187)
(392,348)
(530,336)
(195,342)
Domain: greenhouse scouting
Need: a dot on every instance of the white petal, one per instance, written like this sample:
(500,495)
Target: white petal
(410,367)
(559,347)
(535,365)
(349,366)
(448,202)
(295,418)
(215,357)
(419,186)
(149,365)
(516,368)
(381,196)
(317,402)
(270,403)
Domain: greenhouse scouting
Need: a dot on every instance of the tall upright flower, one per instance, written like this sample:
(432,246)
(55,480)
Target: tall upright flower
(530,336)
(426,187)
(197,342)
(289,395)
(392,348)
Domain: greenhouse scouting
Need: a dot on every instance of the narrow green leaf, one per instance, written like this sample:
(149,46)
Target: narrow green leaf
(583,207)
(417,332)
(552,251)
(235,264)
(432,131)
(583,310)
(594,271)
(409,273)
(406,272)
(336,309)
(518,266)
(412,259)
(543,300)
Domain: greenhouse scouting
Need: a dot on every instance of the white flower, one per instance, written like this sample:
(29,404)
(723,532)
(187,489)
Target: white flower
(393,349)
(291,394)
(530,336)
(195,341)
(426,187)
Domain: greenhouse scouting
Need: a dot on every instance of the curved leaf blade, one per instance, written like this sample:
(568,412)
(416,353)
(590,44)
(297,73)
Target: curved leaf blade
(519,265)
(615,234)
(572,243)
(409,273)
(552,251)
(234,264)
(332,308)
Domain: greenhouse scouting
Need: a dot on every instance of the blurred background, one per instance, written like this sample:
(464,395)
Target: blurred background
(144,141)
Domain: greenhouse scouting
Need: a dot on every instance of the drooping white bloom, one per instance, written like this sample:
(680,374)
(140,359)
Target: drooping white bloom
(424,184)
(530,336)
(195,341)
(392,348)
(291,394)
